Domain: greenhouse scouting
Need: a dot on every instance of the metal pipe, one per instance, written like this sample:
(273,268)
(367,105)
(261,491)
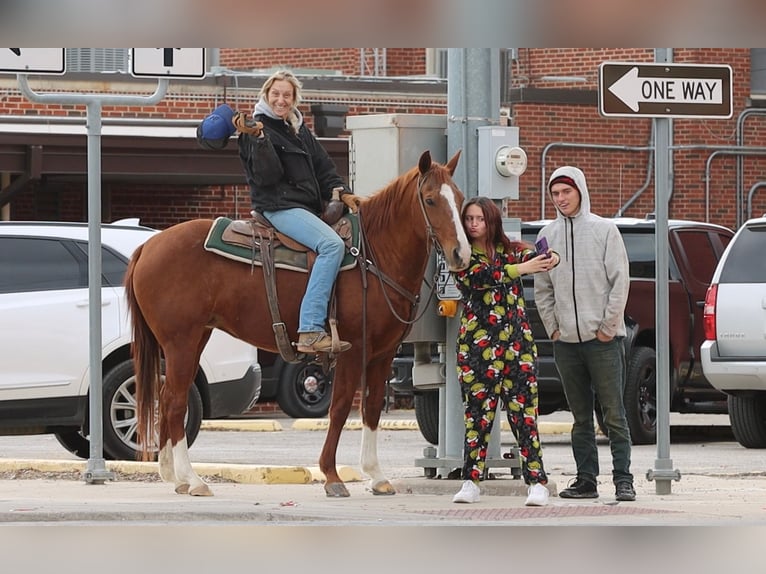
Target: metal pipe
(750,197)
(543,188)
(726,151)
(740,161)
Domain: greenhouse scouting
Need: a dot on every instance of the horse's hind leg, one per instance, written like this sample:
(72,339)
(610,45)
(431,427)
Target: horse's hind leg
(373,404)
(175,465)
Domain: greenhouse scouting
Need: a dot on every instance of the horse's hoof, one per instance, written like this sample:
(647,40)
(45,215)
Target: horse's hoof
(182,489)
(336,490)
(383,488)
(201,490)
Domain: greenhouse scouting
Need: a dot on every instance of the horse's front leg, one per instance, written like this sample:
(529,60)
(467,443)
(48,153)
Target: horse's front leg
(373,405)
(343,391)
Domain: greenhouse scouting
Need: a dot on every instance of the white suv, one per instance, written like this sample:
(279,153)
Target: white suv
(44,343)
(734,352)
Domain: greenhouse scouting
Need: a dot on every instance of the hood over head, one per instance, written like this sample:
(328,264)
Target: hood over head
(576,178)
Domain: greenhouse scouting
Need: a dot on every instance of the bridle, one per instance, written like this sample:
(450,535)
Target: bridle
(368,264)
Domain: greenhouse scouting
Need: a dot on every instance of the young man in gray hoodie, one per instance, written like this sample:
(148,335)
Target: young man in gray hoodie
(582,304)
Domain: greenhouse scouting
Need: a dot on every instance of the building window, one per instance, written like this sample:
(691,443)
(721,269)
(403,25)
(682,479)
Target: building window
(758,72)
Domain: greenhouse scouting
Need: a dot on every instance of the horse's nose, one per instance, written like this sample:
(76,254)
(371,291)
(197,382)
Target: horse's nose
(460,258)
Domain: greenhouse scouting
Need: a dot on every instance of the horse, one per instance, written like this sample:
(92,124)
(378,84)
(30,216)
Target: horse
(178,292)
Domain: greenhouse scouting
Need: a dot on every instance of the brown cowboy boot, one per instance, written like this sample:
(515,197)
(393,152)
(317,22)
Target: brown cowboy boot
(319,342)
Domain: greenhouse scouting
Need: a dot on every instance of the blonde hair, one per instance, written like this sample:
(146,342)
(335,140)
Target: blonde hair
(287,76)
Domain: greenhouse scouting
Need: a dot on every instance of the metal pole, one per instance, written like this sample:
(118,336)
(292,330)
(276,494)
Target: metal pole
(663,472)
(473,100)
(96,472)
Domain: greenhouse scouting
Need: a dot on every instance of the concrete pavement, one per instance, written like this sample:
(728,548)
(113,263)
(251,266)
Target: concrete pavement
(294,494)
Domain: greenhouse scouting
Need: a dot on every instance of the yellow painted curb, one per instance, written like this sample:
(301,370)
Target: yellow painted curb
(346,473)
(241,425)
(241,473)
(322,424)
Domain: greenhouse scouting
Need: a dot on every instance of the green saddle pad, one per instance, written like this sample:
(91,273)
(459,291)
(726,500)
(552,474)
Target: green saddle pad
(284,257)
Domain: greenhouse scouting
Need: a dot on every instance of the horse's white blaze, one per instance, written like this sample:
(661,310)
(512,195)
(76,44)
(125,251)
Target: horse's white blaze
(369,456)
(465,246)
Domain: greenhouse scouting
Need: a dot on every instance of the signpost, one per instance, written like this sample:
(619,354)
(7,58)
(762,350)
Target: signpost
(32,60)
(167,62)
(664,90)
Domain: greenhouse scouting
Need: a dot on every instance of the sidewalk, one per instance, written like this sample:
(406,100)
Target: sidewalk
(294,495)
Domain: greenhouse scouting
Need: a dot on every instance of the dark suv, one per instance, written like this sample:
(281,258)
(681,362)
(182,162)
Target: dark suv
(695,248)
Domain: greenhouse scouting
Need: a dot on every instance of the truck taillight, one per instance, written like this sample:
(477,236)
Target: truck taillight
(708,312)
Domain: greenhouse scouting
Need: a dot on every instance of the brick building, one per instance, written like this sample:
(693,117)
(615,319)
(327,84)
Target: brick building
(163,177)
(551,95)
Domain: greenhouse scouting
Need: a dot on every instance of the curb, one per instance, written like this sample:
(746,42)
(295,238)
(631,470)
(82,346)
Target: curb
(240,473)
(241,425)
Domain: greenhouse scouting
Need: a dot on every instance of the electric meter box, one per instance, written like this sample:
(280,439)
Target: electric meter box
(501,162)
(384,146)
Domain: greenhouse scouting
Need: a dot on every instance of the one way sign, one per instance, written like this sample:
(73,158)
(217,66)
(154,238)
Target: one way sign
(665,90)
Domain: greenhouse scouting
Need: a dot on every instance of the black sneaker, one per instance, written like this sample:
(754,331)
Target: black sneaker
(580,488)
(624,491)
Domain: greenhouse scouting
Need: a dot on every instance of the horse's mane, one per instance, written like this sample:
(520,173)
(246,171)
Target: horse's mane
(379,211)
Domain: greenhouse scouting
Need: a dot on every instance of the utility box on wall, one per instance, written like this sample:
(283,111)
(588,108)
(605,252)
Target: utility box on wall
(500,162)
(383,146)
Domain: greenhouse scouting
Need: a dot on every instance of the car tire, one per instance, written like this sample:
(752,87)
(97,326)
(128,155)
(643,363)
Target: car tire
(747,414)
(640,397)
(427,415)
(120,415)
(75,443)
(304,390)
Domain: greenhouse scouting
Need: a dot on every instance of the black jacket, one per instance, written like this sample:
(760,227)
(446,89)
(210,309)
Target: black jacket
(286,170)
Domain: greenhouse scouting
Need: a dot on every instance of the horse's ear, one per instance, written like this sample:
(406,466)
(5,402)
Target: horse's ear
(452,163)
(424,164)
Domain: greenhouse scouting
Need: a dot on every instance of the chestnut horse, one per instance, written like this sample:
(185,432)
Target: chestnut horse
(178,292)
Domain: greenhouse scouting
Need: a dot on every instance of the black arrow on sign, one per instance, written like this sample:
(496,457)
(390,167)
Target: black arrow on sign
(167,56)
(16,51)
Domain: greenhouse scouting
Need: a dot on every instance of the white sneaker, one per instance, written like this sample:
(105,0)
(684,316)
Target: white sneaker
(537,495)
(469,493)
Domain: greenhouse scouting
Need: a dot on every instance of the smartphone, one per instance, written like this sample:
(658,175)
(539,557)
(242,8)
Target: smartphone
(541,246)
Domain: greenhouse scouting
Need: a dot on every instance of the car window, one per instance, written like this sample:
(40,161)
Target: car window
(699,252)
(32,264)
(113,266)
(744,262)
(640,248)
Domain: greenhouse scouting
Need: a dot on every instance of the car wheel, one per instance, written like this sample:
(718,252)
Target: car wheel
(747,414)
(304,390)
(640,397)
(75,443)
(427,415)
(121,418)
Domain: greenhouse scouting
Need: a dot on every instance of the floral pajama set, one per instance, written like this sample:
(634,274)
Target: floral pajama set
(497,359)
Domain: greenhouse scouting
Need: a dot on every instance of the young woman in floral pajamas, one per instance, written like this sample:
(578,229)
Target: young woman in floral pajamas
(496,354)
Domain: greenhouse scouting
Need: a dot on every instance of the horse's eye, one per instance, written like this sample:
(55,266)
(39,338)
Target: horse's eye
(429,201)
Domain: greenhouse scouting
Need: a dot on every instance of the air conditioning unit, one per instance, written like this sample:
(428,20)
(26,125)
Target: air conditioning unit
(97,60)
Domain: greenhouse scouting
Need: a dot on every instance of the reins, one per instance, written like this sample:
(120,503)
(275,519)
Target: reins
(368,264)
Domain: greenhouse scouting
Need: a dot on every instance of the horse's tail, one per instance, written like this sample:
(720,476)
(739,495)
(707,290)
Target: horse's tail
(147,363)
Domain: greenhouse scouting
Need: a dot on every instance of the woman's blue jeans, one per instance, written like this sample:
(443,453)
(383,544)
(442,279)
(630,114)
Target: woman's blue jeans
(308,229)
(596,370)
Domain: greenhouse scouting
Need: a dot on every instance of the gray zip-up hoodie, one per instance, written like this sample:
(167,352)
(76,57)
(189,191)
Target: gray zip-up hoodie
(588,290)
